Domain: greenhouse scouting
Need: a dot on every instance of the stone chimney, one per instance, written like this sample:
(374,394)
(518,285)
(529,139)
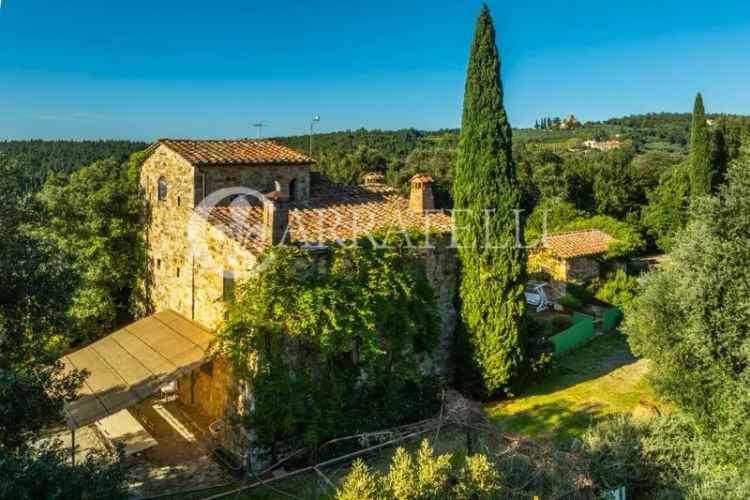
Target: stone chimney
(275,217)
(420,196)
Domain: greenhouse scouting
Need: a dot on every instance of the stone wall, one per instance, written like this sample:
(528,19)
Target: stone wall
(187,258)
(544,261)
(209,388)
(216,256)
(582,269)
(576,269)
(262,178)
(441,269)
(168,274)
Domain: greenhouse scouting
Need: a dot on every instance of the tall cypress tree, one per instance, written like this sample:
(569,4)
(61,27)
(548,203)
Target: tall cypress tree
(702,172)
(486,194)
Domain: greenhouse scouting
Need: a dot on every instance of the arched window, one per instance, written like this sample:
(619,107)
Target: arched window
(162,189)
(293,190)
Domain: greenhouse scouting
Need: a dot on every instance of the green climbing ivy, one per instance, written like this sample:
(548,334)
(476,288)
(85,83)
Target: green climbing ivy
(330,343)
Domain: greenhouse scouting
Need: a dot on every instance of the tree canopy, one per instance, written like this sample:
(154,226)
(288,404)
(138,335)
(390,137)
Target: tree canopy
(692,317)
(92,216)
(702,172)
(33,389)
(486,194)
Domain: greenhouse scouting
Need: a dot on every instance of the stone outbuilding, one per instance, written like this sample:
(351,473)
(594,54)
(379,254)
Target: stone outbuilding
(570,256)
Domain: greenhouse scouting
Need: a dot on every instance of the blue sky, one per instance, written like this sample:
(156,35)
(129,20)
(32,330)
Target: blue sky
(144,69)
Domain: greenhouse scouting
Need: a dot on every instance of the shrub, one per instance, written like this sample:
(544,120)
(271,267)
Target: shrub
(538,347)
(614,450)
(581,293)
(664,458)
(570,301)
(360,484)
(619,289)
(424,476)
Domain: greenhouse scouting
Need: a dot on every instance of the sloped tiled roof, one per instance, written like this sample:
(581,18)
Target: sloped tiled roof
(334,212)
(234,152)
(578,243)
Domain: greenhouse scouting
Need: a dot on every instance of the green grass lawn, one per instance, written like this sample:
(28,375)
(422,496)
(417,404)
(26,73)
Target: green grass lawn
(598,378)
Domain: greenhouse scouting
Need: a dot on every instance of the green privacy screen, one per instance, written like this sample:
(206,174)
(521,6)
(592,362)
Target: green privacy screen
(610,319)
(581,331)
(577,317)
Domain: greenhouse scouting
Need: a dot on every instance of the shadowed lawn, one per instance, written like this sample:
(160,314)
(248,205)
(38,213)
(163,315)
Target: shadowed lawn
(600,377)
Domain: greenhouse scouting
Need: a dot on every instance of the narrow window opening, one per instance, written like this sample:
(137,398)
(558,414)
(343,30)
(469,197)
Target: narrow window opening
(228,292)
(179,201)
(162,189)
(178,272)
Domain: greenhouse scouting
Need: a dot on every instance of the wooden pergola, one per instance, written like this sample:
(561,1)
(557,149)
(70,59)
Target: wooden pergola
(133,363)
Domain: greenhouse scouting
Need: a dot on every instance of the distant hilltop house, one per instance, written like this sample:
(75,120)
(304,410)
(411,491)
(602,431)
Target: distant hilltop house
(213,207)
(570,122)
(603,145)
(570,256)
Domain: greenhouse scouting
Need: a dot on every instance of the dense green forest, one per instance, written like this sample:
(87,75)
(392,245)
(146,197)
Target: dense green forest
(39,159)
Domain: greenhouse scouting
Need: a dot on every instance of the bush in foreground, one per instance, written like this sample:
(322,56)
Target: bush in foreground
(666,457)
(424,476)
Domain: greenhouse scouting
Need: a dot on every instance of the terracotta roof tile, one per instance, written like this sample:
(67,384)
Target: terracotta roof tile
(578,243)
(423,178)
(334,212)
(234,152)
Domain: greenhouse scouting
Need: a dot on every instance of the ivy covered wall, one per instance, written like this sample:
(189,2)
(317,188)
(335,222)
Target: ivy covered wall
(355,339)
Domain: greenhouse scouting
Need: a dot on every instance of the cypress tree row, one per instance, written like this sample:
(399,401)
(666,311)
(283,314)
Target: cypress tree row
(485,196)
(702,173)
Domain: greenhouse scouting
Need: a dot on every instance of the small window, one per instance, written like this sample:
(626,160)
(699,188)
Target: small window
(293,190)
(208,368)
(162,189)
(178,272)
(158,263)
(203,186)
(179,201)
(228,292)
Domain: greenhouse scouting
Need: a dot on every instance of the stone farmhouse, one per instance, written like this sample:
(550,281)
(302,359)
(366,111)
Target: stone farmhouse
(212,209)
(569,257)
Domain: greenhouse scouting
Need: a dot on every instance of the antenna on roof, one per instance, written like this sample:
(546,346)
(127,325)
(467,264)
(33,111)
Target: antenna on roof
(258,125)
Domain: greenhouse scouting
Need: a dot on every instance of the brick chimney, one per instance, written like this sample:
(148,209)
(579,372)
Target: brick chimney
(275,217)
(420,196)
